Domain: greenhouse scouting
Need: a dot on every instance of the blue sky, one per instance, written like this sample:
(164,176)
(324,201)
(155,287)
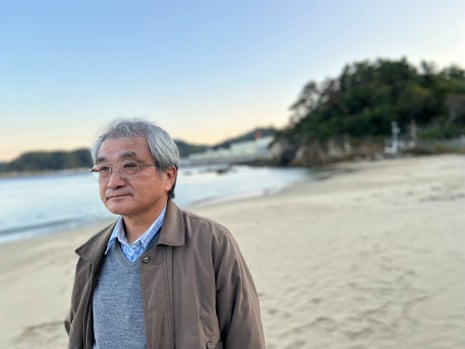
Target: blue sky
(203,70)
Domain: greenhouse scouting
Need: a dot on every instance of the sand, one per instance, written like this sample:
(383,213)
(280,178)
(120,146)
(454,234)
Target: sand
(373,257)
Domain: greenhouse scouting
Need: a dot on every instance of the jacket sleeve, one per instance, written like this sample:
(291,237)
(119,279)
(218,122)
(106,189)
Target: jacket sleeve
(237,303)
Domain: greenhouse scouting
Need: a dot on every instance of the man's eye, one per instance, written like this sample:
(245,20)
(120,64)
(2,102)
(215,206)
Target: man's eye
(104,169)
(130,165)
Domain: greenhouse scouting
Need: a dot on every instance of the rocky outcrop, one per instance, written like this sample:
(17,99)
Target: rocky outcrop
(282,152)
(315,153)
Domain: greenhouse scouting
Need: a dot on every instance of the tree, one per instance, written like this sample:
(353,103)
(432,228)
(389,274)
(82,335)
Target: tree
(367,96)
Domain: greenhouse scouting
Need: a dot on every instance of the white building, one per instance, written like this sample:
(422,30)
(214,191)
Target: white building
(238,152)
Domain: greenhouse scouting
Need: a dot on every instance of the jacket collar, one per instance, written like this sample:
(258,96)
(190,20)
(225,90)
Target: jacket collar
(173,230)
(93,249)
(172,234)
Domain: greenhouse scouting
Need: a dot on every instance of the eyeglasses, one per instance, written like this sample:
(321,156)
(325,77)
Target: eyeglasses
(124,169)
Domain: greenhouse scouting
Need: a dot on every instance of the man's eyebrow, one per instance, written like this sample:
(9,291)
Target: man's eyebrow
(122,156)
(100,159)
(128,155)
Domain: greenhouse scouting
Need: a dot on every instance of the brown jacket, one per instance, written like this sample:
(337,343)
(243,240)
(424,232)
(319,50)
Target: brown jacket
(197,290)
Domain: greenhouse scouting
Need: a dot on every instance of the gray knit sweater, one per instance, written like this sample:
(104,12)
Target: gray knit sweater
(118,313)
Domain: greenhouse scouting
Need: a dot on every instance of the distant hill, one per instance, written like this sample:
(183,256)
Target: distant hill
(54,160)
(188,148)
(81,158)
(249,136)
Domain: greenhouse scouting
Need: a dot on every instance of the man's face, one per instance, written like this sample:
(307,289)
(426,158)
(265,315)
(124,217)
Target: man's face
(141,195)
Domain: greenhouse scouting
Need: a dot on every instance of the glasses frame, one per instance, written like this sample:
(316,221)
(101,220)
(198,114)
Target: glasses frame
(121,171)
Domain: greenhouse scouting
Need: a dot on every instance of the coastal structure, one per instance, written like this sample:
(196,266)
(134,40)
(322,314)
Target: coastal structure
(239,152)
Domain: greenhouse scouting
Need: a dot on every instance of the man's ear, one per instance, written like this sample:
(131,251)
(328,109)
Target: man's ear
(171,175)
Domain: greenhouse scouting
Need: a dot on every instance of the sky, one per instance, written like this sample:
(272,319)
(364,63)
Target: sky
(203,70)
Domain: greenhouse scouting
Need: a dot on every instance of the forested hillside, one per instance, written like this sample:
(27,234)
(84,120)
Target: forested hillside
(54,160)
(361,104)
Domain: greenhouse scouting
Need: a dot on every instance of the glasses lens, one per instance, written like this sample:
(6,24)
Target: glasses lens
(130,168)
(104,171)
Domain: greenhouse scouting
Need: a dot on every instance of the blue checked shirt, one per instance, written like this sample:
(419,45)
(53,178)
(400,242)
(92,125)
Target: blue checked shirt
(134,251)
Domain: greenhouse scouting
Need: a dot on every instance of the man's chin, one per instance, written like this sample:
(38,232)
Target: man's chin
(117,208)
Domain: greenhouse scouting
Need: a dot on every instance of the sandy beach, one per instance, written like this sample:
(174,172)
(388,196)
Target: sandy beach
(373,257)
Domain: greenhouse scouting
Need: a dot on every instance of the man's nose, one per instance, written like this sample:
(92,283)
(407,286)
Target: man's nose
(115,179)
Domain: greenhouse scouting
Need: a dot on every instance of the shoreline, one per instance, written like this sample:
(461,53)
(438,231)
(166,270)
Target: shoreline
(54,225)
(370,257)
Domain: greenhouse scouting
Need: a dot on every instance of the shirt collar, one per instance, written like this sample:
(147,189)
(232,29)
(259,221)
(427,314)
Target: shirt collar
(120,235)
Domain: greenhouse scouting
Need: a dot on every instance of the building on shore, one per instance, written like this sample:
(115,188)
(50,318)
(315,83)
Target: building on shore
(239,152)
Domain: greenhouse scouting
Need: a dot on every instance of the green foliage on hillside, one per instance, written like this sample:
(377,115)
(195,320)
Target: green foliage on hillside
(55,160)
(367,96)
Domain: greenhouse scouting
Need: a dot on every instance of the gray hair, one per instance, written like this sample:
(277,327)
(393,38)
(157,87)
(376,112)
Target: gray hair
(162,147)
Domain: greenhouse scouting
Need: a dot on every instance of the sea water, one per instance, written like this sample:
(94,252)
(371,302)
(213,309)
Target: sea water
(34,205)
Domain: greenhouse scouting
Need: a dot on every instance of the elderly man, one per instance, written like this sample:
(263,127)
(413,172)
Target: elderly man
(159,277)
